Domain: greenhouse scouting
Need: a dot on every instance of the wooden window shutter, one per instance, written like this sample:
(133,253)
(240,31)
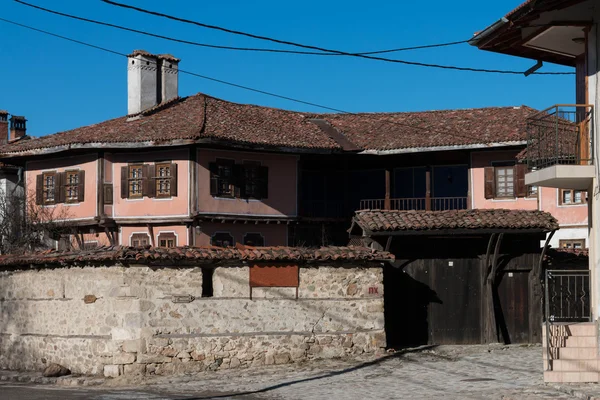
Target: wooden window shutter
(239,181)
(214,178)
(81,186)
(560,196)
(520,187)
(59,187)
(108,194)
(124,182)
(39,187)
(147,181)
(149,174)
(173,179)
(263,175)
(490,182)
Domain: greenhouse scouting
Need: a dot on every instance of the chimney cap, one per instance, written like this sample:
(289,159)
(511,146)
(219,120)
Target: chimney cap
(17,118)
(3,112)
(144,53)
(168,57)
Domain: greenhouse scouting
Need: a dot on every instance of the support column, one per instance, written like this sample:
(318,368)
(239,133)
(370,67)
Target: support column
(387,204)
(428,189)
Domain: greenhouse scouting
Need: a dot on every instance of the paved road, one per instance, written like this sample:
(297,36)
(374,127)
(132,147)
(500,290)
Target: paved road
(476,372)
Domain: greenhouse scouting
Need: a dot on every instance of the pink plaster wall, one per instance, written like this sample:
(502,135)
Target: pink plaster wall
(274,234)
(88,163)
(480,160)
(282,185)
(145,207)
(565,214)
(181,232)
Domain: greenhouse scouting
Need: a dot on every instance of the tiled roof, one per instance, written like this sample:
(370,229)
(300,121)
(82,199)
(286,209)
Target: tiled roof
(395,221)
(200,117)
(191,255)
(389,131)
(192,119)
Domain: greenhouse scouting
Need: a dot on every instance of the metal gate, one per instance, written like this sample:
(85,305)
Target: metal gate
(567,296)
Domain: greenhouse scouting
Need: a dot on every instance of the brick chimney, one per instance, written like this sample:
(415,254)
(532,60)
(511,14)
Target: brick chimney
(3,127)
(151,80)
(18,128)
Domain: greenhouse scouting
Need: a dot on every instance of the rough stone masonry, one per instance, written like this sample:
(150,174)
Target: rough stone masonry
(116,319)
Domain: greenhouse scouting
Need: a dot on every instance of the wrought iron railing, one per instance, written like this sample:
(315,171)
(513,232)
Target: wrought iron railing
(561,134)
(566,300)
(405,204)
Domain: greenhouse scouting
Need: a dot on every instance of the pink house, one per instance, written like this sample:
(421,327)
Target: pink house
(199,171)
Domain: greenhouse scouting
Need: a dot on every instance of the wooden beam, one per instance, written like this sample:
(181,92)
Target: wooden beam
(387,204)
(100,183)
(110,236)
(428,189)
(151,233)
(489,323)
(193,180)
(389,243)
(487,265)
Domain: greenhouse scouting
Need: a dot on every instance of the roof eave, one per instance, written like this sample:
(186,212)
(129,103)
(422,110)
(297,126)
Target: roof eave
(481,36)
(444,148)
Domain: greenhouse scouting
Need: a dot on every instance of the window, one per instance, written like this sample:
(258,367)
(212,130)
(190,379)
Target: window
(91,245)
(572,243)
(139,240)
(222,239)
(72,186)
(505,182)
(49,188)
(247,180)
(222,178)
(135,181)
(571,197)
(532,191)
(254,239)
(163,180)
(167,239)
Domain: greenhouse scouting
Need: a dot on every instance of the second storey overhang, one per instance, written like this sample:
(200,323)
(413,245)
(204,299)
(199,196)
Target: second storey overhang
(545,30)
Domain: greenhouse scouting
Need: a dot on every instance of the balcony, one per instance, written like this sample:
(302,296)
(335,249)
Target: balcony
(560,147)
(427,204)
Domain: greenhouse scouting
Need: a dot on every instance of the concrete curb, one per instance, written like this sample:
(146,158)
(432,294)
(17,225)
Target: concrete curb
(37,378)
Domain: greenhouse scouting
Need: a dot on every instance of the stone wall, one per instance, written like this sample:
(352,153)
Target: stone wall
(141,320)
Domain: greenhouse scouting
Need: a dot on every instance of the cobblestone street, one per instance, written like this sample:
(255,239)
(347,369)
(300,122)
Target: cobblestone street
(449,372)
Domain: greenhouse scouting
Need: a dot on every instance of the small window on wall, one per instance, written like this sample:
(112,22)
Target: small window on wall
(222,239)
(167,239)
(90,245)
(139,240)
(254,239)
(135,181)
(222,182)
(532,191)
(149,180)
(72,186)
(572,243)
(60,187)
(505,180)
(572,197)
(49,185)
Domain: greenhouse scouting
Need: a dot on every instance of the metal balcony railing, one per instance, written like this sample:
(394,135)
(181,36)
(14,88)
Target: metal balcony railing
(560,135)
(405,204)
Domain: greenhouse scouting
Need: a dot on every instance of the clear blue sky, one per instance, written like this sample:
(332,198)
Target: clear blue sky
(59,85)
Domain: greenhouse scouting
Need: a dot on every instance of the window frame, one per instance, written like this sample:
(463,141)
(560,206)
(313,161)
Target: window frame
(532,194)
(223,163)
(137,235)
(166,236)
(561,197)
(130,179)
(46,191)
(167,179)
(505,168)
(212,238)
(255,181)
(254,245)
(73,186)
(564,243)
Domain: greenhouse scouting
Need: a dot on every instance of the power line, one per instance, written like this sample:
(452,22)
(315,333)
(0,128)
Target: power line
(285,42)
(231,83)
(214,46)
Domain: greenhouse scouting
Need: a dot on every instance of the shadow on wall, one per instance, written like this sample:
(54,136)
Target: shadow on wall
(406,309)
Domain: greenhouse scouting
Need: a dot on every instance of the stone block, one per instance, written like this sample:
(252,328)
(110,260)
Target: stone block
(111,371)
(123,358)
(134,346)
(269,359)
(282,358)
(234,363)
(152,359)
(169,352)
(135,369)
(196,356)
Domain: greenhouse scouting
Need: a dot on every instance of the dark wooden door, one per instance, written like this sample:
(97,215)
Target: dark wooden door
(456,318)
(512,307)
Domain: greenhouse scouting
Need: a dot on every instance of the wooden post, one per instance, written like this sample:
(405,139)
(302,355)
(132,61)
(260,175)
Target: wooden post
(100,183)
(388,189)
(489,327)
(428,189)
(151,233)
(536,298)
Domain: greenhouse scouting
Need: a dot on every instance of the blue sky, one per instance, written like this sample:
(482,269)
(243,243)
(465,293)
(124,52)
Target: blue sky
(59,85)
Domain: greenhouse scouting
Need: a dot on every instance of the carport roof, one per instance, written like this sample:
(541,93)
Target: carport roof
(393,222)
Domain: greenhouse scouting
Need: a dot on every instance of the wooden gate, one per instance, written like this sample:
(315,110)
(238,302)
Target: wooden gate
(512,307)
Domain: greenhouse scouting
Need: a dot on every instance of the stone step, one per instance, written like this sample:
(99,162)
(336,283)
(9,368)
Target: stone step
(570,377)
(576,329)
(573,353)
(573,365)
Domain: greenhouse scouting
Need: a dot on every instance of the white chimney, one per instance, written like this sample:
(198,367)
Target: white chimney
(142,77)
(169,75)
